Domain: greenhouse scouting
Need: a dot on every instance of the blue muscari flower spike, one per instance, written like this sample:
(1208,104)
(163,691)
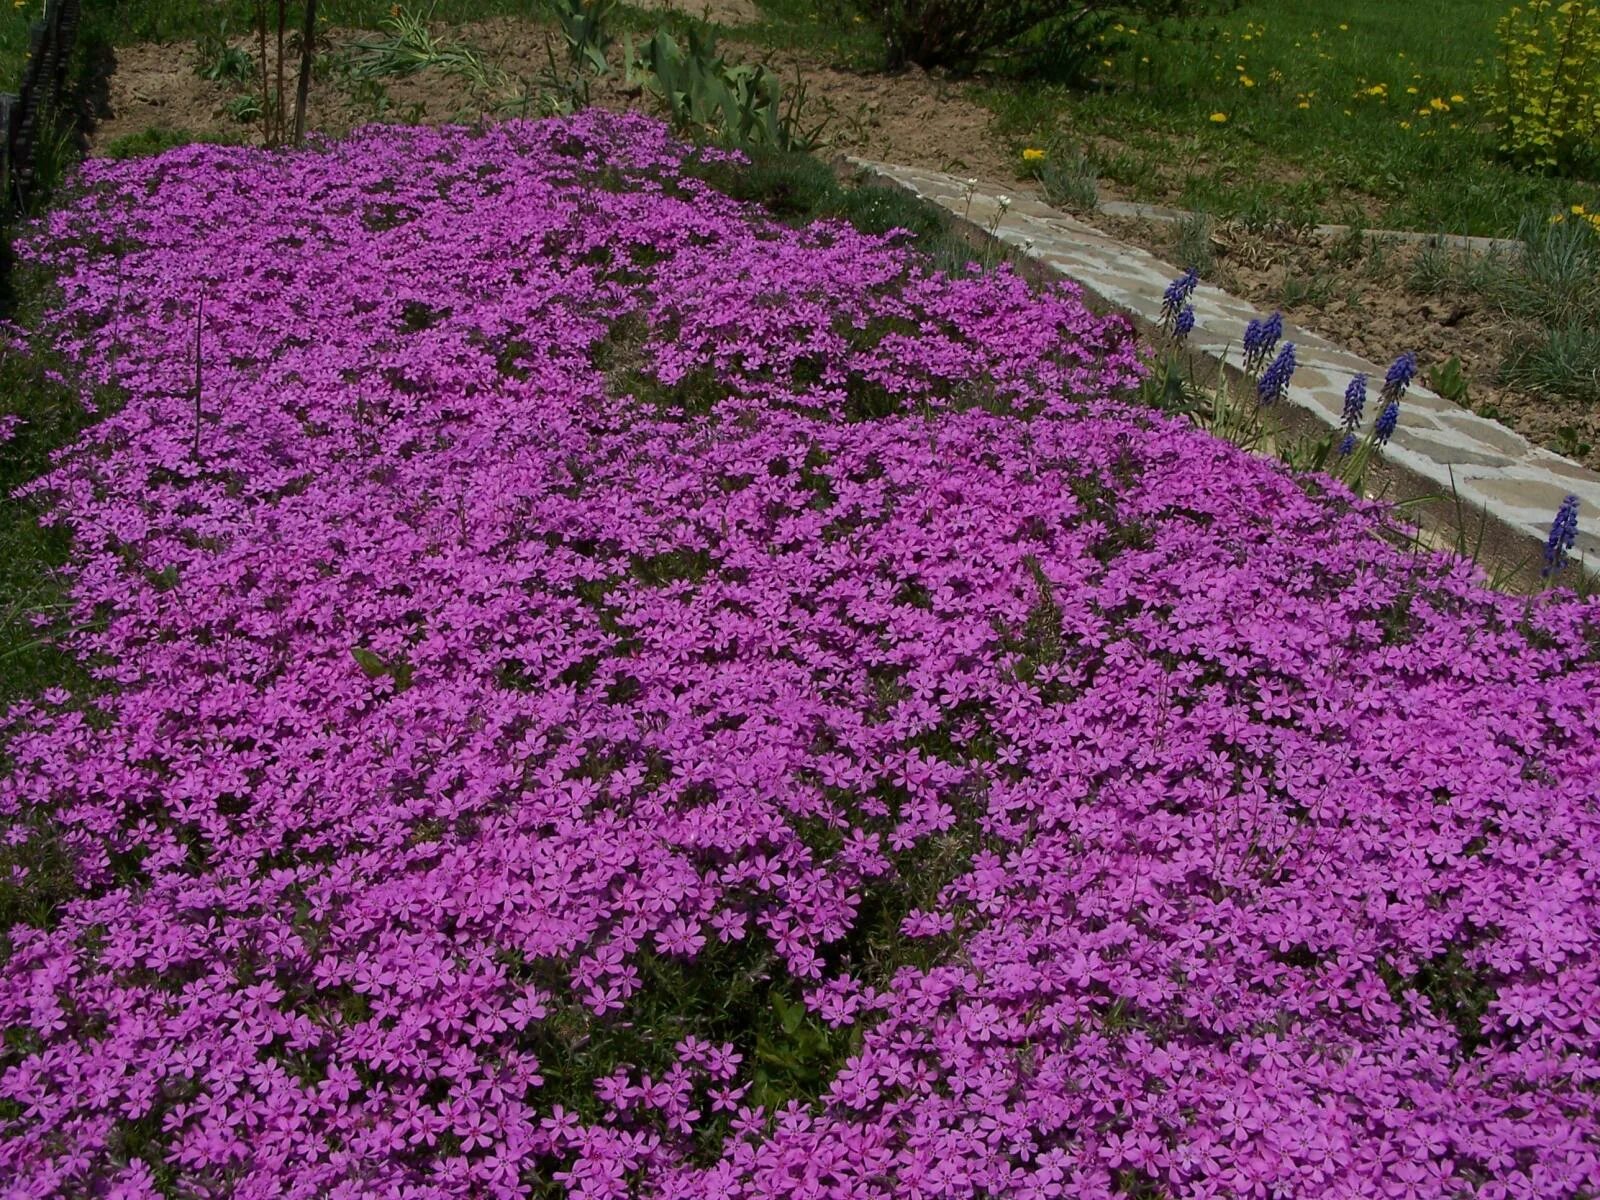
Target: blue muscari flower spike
(1347,446)
(1401,373)
(1260,337)
(1177,295)
(1563,536)
(1252,337)
(1274,384)
(1387,420)
(1184,325)
(1355,403)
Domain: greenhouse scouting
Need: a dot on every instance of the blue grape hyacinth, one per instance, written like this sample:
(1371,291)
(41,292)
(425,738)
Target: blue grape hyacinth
(1401,373)
(1274,384)
(1388,419)
(1177,296)
(1260,338)
(1183,326)
(1563,536)
(1355,404)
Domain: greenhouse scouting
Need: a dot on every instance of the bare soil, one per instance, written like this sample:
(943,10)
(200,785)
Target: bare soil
(911,118)
(722,12)
(1356,296)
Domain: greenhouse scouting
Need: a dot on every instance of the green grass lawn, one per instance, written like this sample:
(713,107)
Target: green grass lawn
(1365,110)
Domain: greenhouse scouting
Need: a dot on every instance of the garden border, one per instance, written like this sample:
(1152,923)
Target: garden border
(44,74)
(1446,459)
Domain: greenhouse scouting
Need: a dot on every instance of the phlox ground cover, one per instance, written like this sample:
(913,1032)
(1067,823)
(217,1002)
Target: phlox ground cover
(601,693)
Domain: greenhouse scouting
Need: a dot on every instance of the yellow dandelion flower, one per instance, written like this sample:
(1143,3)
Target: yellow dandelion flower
(1219,118)
(1246,81)
(1031,154)
(1458,98)
(1344,28)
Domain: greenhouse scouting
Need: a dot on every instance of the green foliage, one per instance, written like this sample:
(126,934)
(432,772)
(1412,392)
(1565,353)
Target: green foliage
(1069,179)
(1564,361)
(1455,992)
(587,27)
(958,34)
(1557,277)
(217,60)
(375,666)
(156,139)
(1546,94)
(1448,380)
(1192,243)
(798,188)
(1171,123)
(707,97)
(244,108)
(1548,290)
(47,415)
(1438,269)
(406,46)
(41,406)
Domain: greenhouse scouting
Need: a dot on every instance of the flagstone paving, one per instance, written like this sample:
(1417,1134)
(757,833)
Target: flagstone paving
(1489,467)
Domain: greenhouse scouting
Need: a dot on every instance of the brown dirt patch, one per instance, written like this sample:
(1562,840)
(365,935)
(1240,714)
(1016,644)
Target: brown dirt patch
(910,118)
(722,12)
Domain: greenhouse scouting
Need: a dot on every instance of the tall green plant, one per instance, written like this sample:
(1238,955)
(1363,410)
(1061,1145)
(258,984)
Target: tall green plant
(708,97)
(587,27)
(1546,96)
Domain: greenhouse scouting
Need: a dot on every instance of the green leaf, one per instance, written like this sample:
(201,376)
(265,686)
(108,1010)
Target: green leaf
(371,665)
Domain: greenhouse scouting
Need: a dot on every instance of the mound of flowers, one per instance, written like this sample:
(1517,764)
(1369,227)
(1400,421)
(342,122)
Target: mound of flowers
(606,694)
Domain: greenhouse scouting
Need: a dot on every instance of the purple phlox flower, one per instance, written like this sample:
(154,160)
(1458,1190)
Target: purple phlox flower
(1563,536)
(1274,383)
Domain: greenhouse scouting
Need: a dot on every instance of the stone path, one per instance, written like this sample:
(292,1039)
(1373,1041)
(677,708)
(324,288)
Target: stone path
(1491,469)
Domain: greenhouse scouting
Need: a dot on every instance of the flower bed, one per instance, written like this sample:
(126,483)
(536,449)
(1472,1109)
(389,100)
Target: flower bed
(609,695)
